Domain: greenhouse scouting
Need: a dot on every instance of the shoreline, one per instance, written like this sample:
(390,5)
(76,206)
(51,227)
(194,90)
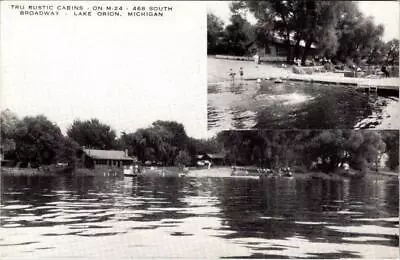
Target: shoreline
(175,172)
(267,71)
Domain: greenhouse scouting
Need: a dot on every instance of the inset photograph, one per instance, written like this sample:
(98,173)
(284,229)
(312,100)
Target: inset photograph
(302,65)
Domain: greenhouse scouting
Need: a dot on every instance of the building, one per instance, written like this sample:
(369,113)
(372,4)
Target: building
(105,159)
(276,49)
(215,159)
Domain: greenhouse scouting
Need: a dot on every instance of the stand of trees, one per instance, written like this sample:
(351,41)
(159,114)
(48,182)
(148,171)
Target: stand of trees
(338,29)
(275,149)
(35,141)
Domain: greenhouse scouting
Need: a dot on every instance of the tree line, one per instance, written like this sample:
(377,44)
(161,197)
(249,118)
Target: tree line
(361,149)
(338,29)
(35,141)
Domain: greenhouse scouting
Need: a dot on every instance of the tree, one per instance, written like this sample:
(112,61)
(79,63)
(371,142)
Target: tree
(38,141)
(238,34)
(8,126)
(358,37)
(392,55)
(182,158)
(391,139)
(92,134)
(215,32)
(310,21)
(161,142)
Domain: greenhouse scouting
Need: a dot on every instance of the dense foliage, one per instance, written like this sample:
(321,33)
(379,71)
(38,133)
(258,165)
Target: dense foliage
(36,141)
(337,28)
(275,149)
(165,143)
(92,134)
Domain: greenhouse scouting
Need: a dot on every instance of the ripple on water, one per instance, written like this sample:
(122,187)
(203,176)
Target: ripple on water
(366,229)
(16,207)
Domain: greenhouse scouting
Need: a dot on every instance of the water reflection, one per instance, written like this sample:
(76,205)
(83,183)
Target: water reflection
(287,105)
(204,217)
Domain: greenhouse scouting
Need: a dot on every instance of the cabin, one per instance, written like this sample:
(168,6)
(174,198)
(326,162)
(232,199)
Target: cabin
(276,49)
(215,159)
(105,159)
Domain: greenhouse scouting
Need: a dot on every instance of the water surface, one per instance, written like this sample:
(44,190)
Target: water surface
(294,105)
(117,217)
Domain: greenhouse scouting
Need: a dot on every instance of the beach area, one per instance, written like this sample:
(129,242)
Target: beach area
(384,108)
(253,71)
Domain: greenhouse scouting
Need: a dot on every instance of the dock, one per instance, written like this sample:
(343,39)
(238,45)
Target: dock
(370,83)
(367,84)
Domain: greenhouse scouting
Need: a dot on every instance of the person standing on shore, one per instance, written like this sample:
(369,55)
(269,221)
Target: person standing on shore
(385,71)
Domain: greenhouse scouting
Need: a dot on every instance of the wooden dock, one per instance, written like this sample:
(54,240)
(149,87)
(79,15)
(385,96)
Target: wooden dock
(388,84)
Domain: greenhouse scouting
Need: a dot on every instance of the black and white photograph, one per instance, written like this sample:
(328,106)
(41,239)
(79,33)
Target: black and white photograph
(303,65)
(199,130)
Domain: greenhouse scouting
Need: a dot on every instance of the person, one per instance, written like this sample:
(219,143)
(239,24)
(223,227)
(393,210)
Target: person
(231,74)
(385,71)
(241,73)
(256,58)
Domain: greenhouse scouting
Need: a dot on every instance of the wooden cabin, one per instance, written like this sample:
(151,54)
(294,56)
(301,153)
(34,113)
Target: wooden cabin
(215,159)
(105,159)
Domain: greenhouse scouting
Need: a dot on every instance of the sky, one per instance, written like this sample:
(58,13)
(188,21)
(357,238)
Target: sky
(384,12)
(126,71)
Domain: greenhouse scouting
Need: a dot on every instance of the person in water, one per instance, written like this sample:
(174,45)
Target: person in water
(241,73)
(232,74)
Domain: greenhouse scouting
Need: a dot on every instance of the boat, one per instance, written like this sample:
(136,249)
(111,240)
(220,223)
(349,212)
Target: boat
(184,172)
(131,171)
(282,172)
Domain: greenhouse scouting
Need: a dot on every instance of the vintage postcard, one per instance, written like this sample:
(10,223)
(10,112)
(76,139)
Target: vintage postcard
(199,130)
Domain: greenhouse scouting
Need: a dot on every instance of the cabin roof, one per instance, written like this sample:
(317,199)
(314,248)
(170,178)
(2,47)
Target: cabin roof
(277,39)
(107,154)
(211,156)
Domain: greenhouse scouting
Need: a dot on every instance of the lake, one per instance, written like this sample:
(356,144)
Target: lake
(246,104)
(211,217)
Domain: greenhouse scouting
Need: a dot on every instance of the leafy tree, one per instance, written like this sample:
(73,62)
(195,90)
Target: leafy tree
(238,34)
(8,122)
(67,151)
(38,141)
(161,142)
(358,36)
(275,149)
(183,158)
(215,32)
(310,21)
(392,55)
(92,134)
(391,139)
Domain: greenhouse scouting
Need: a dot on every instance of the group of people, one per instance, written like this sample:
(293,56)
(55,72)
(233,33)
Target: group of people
(232,74)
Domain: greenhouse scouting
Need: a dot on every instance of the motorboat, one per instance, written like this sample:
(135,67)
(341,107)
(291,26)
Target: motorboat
(132,171)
